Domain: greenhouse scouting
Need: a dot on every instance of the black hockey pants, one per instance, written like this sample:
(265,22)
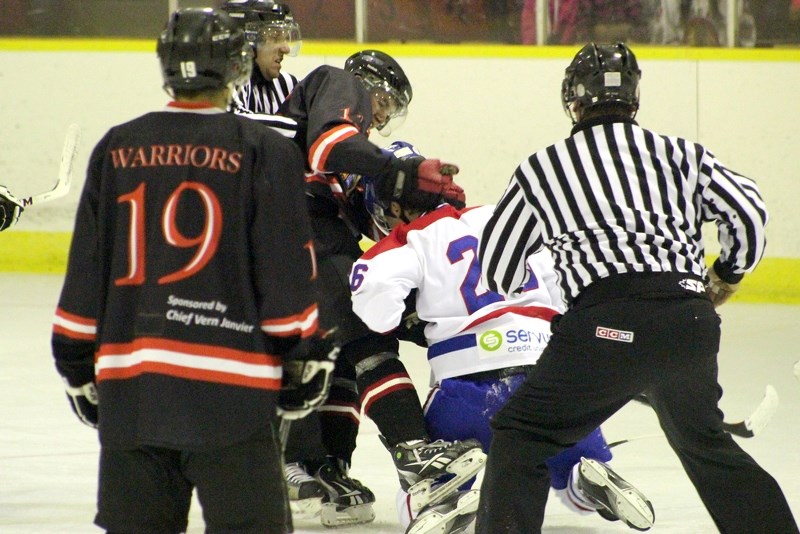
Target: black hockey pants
(334,432)
(626,335)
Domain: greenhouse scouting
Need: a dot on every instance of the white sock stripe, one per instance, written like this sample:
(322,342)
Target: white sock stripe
(336,408)
(377,392)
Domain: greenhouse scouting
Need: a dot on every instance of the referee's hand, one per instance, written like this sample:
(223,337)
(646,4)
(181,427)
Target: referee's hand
(719,291)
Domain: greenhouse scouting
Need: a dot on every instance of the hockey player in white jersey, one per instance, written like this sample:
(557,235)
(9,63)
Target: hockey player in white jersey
(480,347)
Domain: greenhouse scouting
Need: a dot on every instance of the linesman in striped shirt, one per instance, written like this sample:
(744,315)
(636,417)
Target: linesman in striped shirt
(272,31)
(621,208)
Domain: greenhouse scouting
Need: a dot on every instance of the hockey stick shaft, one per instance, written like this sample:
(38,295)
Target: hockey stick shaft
(747,428)
(283,433)
(62,186)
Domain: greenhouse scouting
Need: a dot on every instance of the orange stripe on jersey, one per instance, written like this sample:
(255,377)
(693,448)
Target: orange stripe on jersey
(61,331)
(80,319)
(197,349)
(319,151)
(74,326)
(193,361)
(203,375)
(303,324)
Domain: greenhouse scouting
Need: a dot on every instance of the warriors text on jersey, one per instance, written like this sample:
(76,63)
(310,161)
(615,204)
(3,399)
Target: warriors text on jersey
(470,328)
(182,289)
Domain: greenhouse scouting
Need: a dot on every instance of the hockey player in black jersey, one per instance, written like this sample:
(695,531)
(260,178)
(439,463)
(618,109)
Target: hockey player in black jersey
(334,111)
(10,208)
(274,34)
(188,312)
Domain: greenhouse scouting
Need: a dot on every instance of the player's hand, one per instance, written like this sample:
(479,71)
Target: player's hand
(455,196)
(434,176)
(427,175)
(83,400)
(718,290)
(307,376)
(10,208)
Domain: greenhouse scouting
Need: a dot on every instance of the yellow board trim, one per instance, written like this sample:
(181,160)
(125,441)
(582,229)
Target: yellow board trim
(776,280)
(422,49)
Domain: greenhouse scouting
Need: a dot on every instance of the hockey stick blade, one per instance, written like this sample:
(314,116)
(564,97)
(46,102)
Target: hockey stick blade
(637,438)
(754,425)
(64,181)
(750,427)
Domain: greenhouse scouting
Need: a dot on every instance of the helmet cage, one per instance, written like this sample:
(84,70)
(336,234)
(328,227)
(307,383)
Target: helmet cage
(376,208)
(601,74)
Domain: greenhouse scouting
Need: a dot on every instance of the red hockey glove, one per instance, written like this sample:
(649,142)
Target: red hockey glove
(434,176)
(407,176)
(455,196)
(307,376)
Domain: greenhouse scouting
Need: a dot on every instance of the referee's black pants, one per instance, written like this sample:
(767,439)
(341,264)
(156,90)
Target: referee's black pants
(627,335)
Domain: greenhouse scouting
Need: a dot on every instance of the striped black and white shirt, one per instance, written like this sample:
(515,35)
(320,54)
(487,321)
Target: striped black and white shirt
(615,198)
(263,96)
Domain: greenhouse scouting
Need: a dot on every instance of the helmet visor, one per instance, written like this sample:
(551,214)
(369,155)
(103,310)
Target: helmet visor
(389,106)
(285,33)
(244,64)
(375,207)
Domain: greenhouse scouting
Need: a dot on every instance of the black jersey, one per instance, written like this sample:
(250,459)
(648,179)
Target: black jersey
(333,113)
(614,198)
(190,274)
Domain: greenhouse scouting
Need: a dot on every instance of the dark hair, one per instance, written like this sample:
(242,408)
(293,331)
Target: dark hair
(605,109)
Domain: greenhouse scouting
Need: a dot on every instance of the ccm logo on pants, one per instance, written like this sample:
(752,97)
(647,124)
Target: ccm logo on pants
(614,335)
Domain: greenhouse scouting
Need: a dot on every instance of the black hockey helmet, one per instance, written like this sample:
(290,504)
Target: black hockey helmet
(264,20)
(601,74)
(202,49)
(383,77)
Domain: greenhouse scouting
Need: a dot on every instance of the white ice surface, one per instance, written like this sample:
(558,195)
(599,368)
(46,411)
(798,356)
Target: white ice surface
(48,460)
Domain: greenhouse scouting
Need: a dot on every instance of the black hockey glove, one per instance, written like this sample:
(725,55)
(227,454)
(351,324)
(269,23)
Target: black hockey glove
(83,400)
(307,376)
(405,177)
(10,208)
(411,327)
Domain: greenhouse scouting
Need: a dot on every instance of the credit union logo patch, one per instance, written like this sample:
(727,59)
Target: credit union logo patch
(614,335)
(491,340)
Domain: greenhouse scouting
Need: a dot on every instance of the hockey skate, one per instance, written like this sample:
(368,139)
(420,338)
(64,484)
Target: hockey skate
(347,501)
(451,516)
(305,492)
(430,472)
(618,499)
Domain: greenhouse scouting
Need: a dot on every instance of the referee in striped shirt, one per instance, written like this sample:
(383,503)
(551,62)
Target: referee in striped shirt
(621,209)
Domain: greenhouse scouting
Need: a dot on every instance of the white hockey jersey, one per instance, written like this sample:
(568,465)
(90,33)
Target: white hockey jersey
(470,329)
